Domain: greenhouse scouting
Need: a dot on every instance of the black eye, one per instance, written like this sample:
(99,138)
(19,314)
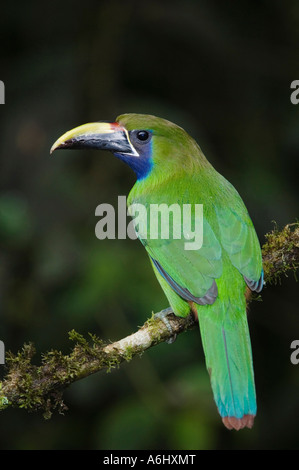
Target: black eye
(142,135)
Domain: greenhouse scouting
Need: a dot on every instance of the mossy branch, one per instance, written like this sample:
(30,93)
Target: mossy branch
(40,387)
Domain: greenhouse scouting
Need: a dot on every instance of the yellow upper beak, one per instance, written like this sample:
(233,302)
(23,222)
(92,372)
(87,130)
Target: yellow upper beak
(100,135)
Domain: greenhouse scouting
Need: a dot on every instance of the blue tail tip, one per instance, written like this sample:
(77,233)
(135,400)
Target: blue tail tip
(230,422)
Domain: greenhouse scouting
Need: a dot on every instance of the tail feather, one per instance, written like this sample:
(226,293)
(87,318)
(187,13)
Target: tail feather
(227,348)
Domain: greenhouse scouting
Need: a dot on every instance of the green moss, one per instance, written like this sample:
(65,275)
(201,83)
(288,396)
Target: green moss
(281,252)
(129,353)
(153,323)
(112,363)
(4,402)
(78,338)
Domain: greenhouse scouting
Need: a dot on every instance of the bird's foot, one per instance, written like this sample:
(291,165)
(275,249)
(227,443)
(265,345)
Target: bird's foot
(163,317)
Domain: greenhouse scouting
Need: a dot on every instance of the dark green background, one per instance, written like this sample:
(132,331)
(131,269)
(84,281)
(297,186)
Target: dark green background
(221,70)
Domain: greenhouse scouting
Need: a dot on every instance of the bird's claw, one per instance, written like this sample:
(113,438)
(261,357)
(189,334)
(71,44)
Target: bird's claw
(163,317)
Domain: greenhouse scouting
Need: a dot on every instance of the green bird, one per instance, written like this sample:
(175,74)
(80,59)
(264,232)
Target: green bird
(210,280)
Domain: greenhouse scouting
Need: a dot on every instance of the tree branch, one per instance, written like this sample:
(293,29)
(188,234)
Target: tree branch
(33,387)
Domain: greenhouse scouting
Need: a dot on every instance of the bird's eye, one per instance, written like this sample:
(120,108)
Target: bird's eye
(142,135)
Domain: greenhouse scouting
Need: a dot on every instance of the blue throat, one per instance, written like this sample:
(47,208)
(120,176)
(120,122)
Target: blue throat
(141,165)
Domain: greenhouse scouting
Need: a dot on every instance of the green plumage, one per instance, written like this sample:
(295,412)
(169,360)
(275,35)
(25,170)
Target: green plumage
(230,251)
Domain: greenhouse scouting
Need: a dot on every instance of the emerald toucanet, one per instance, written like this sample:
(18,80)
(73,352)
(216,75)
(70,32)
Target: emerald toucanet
(212,281)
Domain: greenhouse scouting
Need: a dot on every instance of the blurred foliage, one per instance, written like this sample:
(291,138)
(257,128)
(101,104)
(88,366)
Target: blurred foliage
(221,70)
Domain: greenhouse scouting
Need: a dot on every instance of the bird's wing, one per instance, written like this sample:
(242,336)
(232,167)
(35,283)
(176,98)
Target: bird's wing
(238,238)
(191,273)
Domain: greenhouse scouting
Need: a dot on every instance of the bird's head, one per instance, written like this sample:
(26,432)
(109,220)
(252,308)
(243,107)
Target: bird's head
(148,144)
